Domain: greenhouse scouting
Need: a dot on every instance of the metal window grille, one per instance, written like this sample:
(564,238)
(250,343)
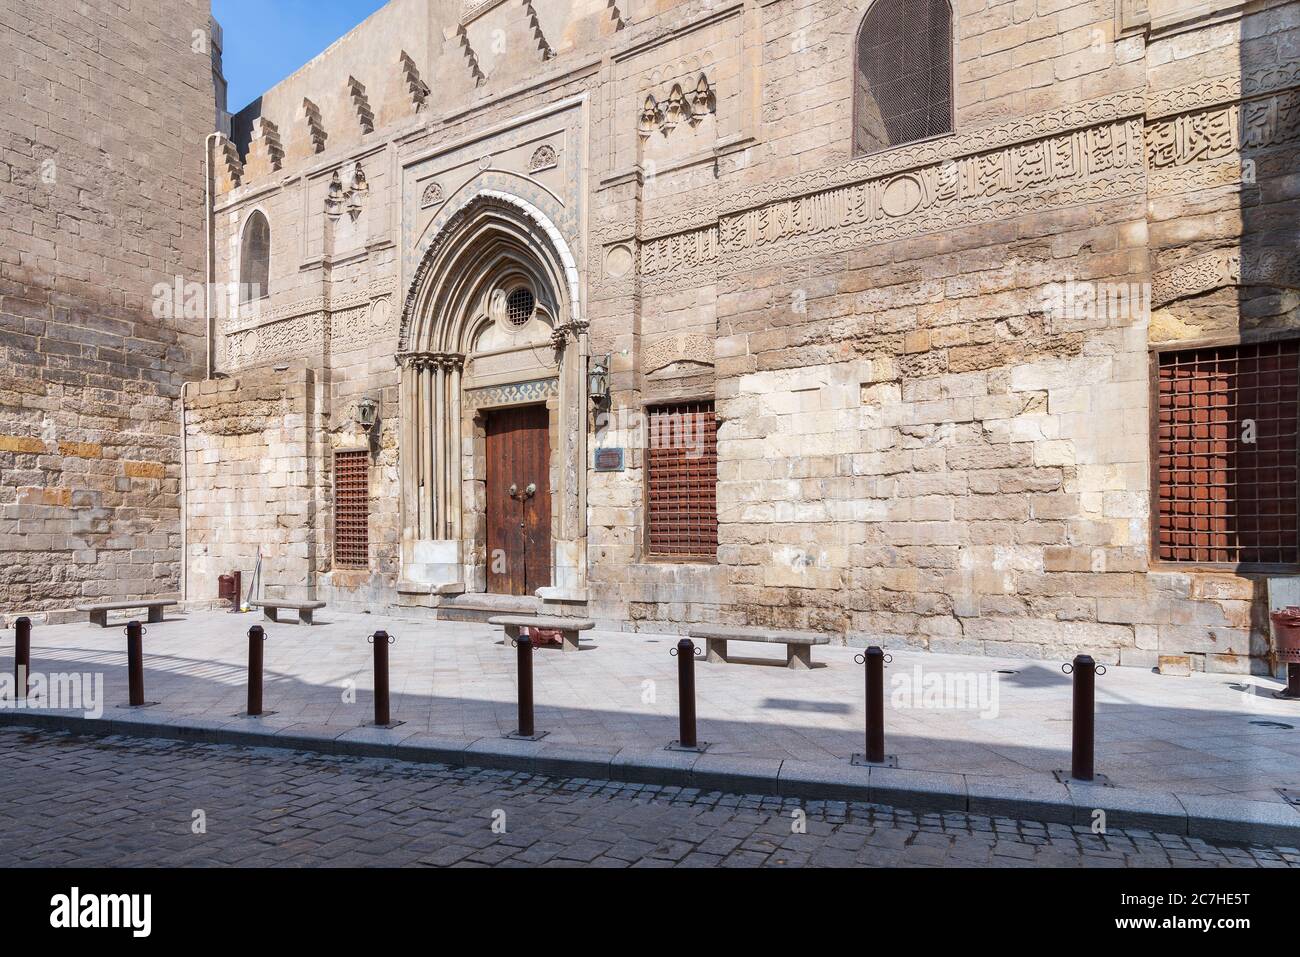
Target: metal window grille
(682,480)
(519,306)
(1226,454)
(352,509)
(903,83)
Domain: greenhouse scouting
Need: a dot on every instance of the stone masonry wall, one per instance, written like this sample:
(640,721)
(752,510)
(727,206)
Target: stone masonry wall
(914,447)
(254,482)
(103,112)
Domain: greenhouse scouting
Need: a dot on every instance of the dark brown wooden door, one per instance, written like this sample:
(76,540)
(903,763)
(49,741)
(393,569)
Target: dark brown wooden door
(518,500)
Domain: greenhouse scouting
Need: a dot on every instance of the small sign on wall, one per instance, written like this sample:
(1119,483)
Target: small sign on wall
(609,460)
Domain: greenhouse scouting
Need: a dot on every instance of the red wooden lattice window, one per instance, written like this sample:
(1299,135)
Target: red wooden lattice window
(682,480)
(1226,454)
(352,509)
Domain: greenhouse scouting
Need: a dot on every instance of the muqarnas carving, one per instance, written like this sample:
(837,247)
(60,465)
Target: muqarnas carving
(679,107)
(338,198)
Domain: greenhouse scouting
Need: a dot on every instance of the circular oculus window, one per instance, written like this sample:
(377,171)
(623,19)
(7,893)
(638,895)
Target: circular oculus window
(519,306)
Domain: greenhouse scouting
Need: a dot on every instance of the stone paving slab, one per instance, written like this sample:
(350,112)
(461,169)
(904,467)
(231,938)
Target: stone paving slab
(611,709)
(61,805)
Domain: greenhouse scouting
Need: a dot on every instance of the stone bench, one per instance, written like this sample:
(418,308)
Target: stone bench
(272,607)
(567,627)
(99,612)
(798,644)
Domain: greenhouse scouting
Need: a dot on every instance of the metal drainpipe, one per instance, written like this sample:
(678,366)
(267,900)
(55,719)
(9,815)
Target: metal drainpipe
(208,266)
(185,501)
(208,237)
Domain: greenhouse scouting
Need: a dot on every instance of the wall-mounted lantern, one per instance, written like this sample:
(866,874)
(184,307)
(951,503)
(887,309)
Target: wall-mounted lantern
(598,382)
(367,413)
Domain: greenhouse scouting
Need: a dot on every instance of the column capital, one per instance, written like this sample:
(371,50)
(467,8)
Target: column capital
(430,360)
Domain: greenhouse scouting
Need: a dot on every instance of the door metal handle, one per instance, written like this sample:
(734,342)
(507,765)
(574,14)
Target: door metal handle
(531,490)
(513,491)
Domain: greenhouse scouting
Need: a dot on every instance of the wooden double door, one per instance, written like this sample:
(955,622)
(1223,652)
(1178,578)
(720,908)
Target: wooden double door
(518,500)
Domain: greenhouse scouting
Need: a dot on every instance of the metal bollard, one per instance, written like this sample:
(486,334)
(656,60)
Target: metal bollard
(685,652)
(22,654)
(135,662)
(381,641)
(255,638)
(1083,725)
(525,646)
(874,659)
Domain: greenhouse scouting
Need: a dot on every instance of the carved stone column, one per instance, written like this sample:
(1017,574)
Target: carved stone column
(455,447)
(569,582)
(431,460)
(425,427)
(440,443)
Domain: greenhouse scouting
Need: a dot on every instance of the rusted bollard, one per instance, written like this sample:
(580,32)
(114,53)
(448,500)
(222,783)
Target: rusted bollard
(685,652)
(874,660)
(22,654)
(135,662)
(1082,726)
(255,638)
(525,646)
(381,641)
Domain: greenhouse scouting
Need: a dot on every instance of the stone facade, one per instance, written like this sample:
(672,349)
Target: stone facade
(103,113)
(914,447)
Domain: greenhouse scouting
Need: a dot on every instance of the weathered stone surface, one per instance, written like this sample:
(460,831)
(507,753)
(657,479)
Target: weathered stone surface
(916,439)
(101,184)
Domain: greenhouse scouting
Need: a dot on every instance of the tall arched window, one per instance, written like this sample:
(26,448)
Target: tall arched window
(902,84)
(255,259)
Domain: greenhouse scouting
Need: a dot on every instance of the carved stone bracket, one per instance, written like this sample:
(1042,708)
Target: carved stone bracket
(560,335)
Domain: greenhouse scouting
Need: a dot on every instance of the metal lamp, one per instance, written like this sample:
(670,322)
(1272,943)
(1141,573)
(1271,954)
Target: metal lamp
(598,382)
(367,413)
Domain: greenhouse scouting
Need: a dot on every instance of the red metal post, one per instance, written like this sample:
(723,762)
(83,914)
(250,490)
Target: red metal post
(1085,679)
(525,645)
(135,662)
(255,638)
(686,692)
(380,641)
(22,654)
(874,661)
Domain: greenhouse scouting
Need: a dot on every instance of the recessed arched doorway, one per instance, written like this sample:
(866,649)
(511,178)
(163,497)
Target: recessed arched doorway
(493,358)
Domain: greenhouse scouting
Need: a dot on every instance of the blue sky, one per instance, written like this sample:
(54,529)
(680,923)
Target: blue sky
(266,40)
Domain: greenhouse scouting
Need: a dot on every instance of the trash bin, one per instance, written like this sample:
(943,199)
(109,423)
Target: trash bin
(1286,634)
(1286,647)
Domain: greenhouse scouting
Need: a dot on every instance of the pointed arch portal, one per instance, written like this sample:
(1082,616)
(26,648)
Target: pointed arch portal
(491,337)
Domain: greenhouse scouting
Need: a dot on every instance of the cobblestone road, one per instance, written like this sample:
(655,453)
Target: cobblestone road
(69,800)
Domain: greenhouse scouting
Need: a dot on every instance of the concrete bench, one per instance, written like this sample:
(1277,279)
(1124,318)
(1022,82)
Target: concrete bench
(272,607)
(99,612)
(567,627)
(798,644)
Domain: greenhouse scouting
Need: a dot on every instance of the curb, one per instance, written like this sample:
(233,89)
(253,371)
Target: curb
(1075,803)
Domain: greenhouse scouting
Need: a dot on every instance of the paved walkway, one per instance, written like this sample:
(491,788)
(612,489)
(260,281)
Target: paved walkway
(1213,735)
(70,801)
